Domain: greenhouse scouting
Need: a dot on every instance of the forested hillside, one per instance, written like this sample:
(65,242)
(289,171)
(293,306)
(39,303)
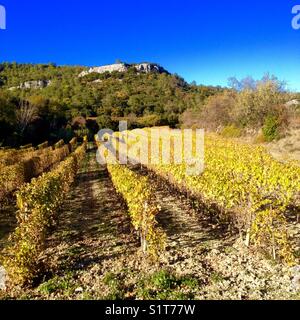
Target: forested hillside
(49,102)
(69,105)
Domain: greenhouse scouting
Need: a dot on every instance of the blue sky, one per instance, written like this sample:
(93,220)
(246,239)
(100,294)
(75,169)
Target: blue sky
(207,41)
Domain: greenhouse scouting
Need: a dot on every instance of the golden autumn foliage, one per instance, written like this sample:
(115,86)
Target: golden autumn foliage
(38,204)
(138,195)
(244,185)
(20,166)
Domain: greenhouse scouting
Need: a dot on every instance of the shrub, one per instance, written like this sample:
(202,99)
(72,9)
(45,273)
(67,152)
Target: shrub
(149,121)
(106,122)
(217,111)
(271,128)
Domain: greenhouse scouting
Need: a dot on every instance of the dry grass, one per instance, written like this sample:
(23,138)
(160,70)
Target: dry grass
(287,148)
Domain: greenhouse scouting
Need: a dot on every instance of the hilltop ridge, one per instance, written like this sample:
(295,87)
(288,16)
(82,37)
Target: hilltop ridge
(124,67)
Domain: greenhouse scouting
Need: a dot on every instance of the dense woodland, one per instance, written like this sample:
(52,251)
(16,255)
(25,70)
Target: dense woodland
(71,104)
(74,106)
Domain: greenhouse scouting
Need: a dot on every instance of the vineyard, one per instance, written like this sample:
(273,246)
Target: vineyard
(20,166)
(149,229)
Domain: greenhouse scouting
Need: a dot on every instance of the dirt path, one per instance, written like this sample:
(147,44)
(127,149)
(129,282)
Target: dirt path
(93,220)
(94,230)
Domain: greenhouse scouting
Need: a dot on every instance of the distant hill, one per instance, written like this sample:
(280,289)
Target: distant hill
(143,91)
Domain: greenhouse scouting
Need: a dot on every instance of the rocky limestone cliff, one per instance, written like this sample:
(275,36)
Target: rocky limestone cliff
(122,67)
(38,84)
(149,67)
(119,67)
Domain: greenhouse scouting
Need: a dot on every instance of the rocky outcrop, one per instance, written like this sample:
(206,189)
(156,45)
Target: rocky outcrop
(149,67)
(122,67)
(292,103)
(38,84)
(119,67)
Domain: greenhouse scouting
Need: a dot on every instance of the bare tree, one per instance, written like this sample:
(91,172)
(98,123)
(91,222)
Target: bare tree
(25,115)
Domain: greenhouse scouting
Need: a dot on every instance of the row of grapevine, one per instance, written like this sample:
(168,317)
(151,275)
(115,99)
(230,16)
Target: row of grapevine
(59,144)
(73,144)
(246,185)
(138,195)
(38,204)
(43,145)
(12,177)
(12,156)
(28,146)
